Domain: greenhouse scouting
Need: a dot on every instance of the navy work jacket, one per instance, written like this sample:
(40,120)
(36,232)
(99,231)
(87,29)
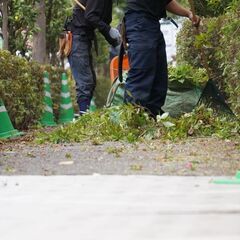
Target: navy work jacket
(155,8)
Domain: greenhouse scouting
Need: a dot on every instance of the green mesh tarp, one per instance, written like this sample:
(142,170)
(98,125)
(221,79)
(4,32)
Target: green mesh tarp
(181,98)
(180,101)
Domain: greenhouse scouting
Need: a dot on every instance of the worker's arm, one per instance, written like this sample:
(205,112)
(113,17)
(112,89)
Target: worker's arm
(93,15)
(176,8)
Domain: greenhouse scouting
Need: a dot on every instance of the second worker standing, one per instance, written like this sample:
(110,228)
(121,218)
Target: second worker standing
(98,15)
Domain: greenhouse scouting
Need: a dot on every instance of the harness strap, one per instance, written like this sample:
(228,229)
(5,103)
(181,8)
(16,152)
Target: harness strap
(122,51)
(80,5)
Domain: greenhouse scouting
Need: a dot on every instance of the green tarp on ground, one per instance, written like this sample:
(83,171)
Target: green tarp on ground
(181,98)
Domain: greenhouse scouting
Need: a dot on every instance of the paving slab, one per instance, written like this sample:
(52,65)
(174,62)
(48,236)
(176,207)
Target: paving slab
(118,207)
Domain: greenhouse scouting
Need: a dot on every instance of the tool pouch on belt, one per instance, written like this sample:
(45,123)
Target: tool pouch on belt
(65,39)
(65,44)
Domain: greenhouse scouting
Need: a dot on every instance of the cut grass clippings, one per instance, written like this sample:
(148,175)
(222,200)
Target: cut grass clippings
(132,124)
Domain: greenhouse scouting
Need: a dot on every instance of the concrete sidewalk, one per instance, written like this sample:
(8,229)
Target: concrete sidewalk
(118,208)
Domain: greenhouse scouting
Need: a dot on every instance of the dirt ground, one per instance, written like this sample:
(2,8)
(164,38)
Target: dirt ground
(192,157)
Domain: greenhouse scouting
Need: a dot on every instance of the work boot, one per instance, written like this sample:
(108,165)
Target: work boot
(83,105)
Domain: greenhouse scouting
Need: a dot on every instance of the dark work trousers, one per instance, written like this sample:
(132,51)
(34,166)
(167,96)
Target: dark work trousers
(80,60)
(147,80)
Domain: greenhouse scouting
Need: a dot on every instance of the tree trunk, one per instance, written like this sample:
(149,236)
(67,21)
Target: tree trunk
(4,8)
(39,39)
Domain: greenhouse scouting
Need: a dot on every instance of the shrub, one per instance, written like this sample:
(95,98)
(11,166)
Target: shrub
(21,89)
(219,39)
(211,8)
(187,75)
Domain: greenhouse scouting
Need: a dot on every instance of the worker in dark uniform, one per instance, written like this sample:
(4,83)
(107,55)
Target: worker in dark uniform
(147,80)
(97,15)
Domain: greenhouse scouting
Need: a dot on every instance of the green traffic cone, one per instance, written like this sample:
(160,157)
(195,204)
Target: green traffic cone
(47,117)
(66,109)
(93,106)
(6,127)
(235,180)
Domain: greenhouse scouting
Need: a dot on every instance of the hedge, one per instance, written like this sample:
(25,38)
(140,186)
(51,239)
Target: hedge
(211,8)
(21,89)
(220,41)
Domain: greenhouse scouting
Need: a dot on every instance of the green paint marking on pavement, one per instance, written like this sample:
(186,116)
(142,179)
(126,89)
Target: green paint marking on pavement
(235,180)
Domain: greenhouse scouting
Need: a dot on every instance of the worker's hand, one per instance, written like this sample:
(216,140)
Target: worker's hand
(195,19)
(115,34)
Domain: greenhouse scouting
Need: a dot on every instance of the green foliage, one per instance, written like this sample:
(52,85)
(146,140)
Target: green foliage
(188,75)
(218,40)
(22,16)
(109,124)
(133,124)
(211,8)
(186,51)
(204,122)
(21,89)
